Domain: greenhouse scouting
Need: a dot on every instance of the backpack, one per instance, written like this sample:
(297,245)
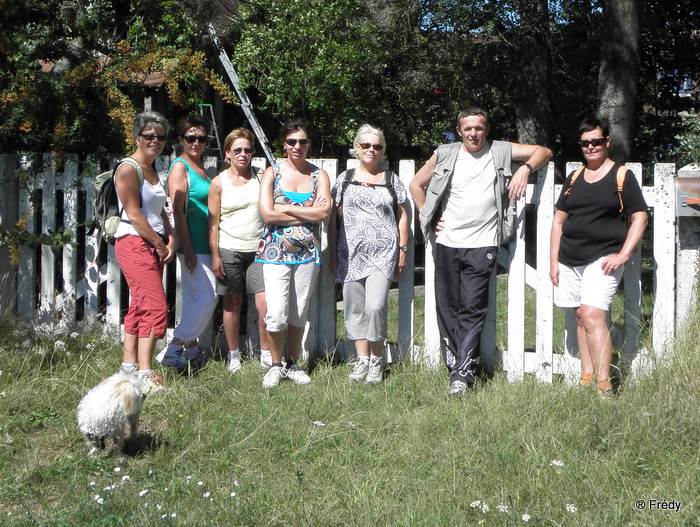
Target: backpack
(350,180)
(621,173)
(108,214)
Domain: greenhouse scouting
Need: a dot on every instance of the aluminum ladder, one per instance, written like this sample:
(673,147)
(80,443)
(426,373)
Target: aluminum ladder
(245,102)
(213,144)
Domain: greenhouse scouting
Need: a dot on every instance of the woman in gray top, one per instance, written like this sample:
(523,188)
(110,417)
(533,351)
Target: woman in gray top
(367,237)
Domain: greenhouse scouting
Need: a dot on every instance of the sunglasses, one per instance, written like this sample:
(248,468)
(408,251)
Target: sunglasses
(592,142)
(367,146)
(192,138)
(293,142)
(151,137)
(237,151)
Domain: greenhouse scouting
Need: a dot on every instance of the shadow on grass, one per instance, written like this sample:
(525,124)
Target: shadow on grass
(142,444)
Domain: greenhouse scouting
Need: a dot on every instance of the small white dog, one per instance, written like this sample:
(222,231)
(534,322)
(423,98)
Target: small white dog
(106,409)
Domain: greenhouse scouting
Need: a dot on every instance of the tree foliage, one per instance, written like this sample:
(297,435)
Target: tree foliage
(407,66)
(73,78)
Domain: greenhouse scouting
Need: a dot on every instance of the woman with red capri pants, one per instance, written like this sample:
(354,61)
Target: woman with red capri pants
(143,245)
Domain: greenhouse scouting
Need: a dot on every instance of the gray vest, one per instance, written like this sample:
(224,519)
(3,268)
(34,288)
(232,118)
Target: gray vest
(442,175)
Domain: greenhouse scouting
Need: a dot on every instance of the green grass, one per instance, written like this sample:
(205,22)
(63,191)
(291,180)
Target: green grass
(335,453)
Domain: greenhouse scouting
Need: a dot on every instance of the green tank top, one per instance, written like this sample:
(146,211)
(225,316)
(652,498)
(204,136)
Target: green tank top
(197,209)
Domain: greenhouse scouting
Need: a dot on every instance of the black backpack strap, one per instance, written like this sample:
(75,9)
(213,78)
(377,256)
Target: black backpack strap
(349,178)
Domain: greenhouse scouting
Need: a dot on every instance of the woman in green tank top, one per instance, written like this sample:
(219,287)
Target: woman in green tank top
(188,185)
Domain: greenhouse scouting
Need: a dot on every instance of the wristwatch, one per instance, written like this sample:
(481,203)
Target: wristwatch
(528,165)
(403,248)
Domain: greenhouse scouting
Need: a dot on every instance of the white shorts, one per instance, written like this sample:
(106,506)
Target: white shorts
(288,293)
(587,285)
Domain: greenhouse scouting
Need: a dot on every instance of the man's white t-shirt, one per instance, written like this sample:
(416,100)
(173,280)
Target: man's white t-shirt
(470,214)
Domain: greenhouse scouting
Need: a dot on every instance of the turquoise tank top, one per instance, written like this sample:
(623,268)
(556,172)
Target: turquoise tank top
(197,209)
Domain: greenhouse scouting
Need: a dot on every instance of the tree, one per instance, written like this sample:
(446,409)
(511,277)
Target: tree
(532,77)
(619,74)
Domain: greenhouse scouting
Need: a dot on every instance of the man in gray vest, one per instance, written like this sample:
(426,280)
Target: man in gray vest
(457,195)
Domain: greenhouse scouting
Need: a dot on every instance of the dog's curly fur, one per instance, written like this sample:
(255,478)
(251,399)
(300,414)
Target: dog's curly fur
(107,408)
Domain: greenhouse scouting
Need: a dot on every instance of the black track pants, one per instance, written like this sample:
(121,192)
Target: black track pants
(461,294)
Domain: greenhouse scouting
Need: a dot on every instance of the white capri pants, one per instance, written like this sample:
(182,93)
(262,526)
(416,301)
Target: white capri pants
(199,300)
(587,285)
(288,290)
(365,307)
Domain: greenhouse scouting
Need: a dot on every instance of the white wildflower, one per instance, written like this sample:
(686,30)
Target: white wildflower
(3,394)
(59,345)
(108,488)
(159,506)
(475,504)
(164,516)
(26,344)
(526,517)
(200,483)
(127,477)
(233,494)
(485,508)
(235,483)
(117,469)
(143,492)
(173,515)
(74,335)
(571,508)
(206,494)
(502,508)
(99,499)
(93,483)
(556,463)
(319,423)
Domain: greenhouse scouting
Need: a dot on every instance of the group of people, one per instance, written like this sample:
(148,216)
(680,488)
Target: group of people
(243,232)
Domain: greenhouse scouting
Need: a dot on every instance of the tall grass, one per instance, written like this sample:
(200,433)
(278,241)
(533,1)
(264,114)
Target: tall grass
(221,450)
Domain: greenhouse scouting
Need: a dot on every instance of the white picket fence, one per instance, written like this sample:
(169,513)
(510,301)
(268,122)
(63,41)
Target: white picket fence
(46,297)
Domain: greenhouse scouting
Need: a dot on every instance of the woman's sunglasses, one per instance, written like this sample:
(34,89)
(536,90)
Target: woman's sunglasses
(192,138)
(592,142)
(367,146)
(293,142)
(151,137)
(237,151)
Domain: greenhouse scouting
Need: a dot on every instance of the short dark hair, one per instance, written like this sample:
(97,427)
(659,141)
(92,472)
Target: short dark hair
(472,110)
(193,121)
(592,122)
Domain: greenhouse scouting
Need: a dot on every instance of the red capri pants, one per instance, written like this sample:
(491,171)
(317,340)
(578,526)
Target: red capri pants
(148,309)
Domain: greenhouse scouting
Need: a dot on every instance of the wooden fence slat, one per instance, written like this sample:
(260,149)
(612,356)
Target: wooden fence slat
(92,272)
(544,319)
(70,219)
(9,190)
(665,258)
(26,302)
(407,169)
(513,358)
(48,224)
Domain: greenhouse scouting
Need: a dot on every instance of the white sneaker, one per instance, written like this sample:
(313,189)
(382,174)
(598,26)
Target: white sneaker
(234,361)
(359,372)
(458,388)
(297,375)
(265,358)
(273,376)
(376,369)
(152,384)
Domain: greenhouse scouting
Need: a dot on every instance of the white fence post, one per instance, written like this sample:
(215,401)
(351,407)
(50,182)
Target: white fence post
(665,258)
(544,318)
(70,219)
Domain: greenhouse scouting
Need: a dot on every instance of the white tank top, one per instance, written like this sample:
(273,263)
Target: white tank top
(240,223)
(153,198)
